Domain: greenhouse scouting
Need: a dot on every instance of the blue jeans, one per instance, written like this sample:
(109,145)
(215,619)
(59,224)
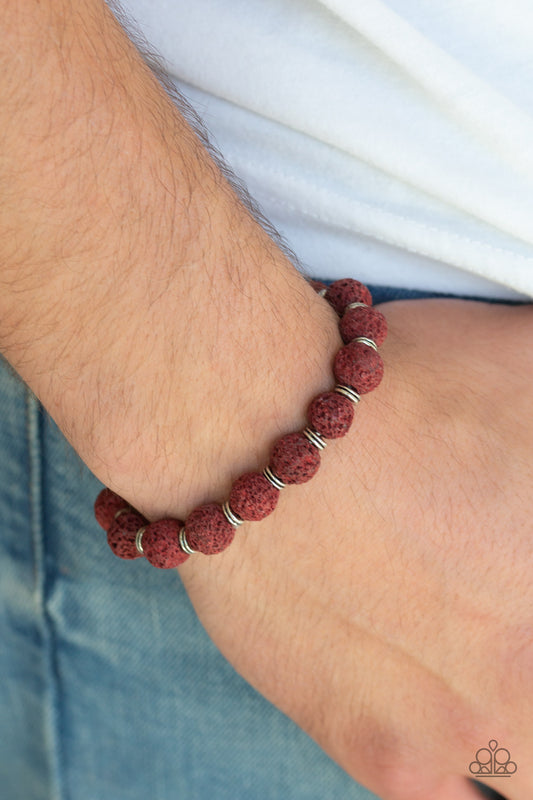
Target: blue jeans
(109,687)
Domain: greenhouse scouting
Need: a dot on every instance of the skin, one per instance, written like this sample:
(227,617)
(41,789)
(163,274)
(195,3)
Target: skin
(386,606)
(401,635)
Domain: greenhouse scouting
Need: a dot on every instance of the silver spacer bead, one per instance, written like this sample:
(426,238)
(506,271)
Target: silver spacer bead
(369,342)
(139,540)
(348,392)
(230,515)
(273,479)
(355,305)
(121,511)
(322,292)
(315,438)
(184,544)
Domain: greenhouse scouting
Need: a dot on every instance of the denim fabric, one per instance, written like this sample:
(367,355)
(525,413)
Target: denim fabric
(109,687)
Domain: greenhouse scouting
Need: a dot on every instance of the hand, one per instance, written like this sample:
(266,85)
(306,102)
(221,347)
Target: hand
(387,605)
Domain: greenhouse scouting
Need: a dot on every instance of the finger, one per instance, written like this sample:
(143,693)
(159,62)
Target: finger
(453,787)
(487,792)
(509,789)
(457,788)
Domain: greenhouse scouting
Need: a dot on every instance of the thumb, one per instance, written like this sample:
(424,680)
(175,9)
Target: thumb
(460,788)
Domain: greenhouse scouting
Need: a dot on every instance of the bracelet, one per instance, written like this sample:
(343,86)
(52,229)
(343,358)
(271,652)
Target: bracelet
(295,457)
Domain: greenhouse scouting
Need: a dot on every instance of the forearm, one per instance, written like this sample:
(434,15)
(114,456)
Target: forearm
(82,152)
(161,327)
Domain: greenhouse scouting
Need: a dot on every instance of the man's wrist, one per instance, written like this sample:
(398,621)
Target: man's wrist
(161,327)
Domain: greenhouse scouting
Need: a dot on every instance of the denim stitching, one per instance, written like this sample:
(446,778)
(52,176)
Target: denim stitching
(34,420)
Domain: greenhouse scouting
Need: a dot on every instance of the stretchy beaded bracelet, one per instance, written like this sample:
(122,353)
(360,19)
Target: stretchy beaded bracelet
(295,458)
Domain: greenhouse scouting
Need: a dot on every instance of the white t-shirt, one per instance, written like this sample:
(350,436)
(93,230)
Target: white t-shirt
(391,140)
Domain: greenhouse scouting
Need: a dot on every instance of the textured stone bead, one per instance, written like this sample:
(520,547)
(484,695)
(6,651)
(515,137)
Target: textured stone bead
(358,366)
(161,546)
(252,497)
(207,529)
(106,506)
(122,533)
(363,321)
(342,293)
(294,459)
(331,415)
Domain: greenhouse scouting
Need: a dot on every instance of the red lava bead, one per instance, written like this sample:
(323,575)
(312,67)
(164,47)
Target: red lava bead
(363,321)
(106,506)
(161,546)
(122,533)
(252,497)
(342,293)
(207,530)
(359,366)
(294,459)
(331,415)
